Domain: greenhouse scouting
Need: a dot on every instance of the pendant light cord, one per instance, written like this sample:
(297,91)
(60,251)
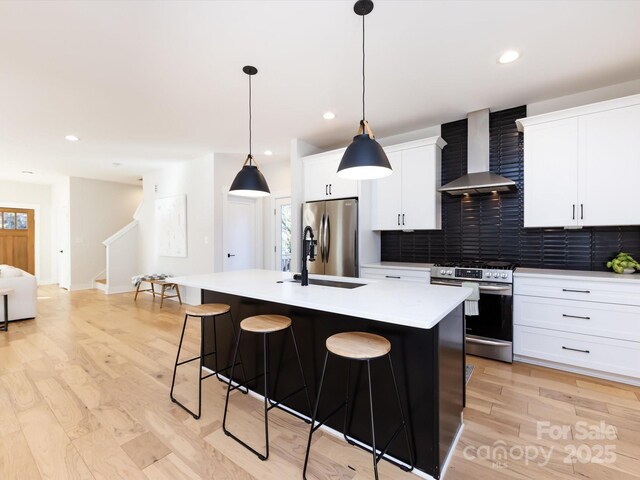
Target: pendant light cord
(250,118)
(363,75)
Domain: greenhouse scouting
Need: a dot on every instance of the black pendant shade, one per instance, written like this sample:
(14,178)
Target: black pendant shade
(364,159)
(249,181)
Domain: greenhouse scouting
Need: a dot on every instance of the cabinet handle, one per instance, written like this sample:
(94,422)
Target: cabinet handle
(326,189)
(575,349)
(575,291)
(398,219)
(573,217)
(575,316)
(392,276)
(581,211)
(403,218)
(329,189)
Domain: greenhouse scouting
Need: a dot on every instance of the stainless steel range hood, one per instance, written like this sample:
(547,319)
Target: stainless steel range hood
(478,179)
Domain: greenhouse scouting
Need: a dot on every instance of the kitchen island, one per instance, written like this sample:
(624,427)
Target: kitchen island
(424,324)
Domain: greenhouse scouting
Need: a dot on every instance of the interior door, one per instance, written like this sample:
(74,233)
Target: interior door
(17,238)
(313,214)
(610,167)
(341,237)
(239,234)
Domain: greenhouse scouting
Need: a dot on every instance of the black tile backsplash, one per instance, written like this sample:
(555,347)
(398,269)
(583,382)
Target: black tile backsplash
(490,227)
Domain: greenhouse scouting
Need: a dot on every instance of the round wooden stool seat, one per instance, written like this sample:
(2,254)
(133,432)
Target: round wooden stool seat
(207,310)
(358,345)
(265,323)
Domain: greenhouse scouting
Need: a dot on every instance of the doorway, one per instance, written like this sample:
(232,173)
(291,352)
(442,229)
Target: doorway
(282,229)
(17,238)
(239,234)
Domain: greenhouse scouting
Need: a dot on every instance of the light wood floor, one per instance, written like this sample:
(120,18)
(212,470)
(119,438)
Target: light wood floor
(84,394)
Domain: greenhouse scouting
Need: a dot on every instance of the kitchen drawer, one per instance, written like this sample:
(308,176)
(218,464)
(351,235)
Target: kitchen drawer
(587,318)
(421,276)
(596,353)
(622,293)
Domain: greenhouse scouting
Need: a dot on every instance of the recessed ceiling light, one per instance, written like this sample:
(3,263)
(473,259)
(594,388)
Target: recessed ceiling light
(116,164)
(268,152)
(71,138)
(509,56)
(27,172)
(329,116)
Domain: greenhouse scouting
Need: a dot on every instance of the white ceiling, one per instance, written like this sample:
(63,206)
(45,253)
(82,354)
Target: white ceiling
(147,83)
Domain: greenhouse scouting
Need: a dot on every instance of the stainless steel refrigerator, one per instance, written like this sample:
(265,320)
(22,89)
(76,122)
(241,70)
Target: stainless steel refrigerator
(335,226)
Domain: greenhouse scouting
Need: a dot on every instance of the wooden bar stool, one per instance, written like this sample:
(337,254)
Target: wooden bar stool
(265,325)
(209,310)
(365,347)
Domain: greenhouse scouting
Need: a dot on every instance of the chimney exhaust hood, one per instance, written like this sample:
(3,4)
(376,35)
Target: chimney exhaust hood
(478,179)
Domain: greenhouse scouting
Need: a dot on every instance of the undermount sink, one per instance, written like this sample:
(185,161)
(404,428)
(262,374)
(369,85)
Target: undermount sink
(327,283)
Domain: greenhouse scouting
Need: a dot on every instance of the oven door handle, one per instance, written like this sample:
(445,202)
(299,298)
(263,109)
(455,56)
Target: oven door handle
(482,341)
(483,288)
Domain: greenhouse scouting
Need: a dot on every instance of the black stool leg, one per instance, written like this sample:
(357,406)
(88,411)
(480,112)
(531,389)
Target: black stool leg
(175,367)
(244,373)
(226,403)
(266,395)
(373,431)
(346,406)
(314,417)
(304,381)
(404,423)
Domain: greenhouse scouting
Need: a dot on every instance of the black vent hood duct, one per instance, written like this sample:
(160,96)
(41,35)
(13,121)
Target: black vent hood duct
(478,179)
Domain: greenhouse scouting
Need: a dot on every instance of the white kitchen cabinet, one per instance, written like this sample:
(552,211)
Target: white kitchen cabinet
(395,272)
(580,165)
(551,174)
(610,167)
(585,322)
(321,181)
(409,199)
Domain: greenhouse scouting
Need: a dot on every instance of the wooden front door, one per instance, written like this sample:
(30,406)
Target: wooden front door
(17,238)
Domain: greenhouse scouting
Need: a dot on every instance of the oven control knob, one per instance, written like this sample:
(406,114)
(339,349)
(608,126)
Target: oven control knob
(488,274)
(496,275)
(503,275)
(449,272)
(442,272)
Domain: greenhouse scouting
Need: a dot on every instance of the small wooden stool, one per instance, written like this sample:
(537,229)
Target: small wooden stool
(265,325)
(361,346)
(5,293)
(209,310)
(164,284)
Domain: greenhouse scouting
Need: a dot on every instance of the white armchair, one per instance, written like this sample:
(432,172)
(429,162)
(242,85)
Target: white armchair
(24,297)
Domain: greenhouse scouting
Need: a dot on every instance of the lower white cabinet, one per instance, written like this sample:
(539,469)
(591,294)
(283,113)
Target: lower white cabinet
(390,273)
(580,324)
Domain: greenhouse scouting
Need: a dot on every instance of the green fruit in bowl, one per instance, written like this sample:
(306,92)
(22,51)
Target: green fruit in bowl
(623,263)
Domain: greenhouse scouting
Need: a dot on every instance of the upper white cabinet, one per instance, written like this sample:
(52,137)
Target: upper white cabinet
(580,165)
(408,199)
(321,182)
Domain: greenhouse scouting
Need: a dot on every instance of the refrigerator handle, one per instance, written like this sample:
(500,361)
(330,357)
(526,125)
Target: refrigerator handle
(320,236)
(327,238)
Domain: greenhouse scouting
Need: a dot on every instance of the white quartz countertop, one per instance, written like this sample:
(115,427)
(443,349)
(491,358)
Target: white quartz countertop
(401,303)
(400,265)
(579,275)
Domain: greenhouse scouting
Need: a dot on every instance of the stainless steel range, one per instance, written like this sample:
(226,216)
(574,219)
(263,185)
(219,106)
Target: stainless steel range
(489,334)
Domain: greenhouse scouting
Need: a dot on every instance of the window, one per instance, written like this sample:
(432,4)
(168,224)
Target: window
(22,221)
(9,221)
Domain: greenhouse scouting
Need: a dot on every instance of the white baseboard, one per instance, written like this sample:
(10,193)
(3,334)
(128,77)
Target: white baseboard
(48,281)
(614,377)
(120,289)
(81,286)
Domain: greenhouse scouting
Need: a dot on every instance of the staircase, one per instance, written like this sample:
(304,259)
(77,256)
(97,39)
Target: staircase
(121,251)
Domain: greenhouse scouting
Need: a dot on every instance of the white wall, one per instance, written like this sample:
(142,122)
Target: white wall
(39,198)
(277,172)
(194,179)
(97,210)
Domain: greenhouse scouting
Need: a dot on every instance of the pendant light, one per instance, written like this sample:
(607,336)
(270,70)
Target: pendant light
(249,181)
(364,159)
